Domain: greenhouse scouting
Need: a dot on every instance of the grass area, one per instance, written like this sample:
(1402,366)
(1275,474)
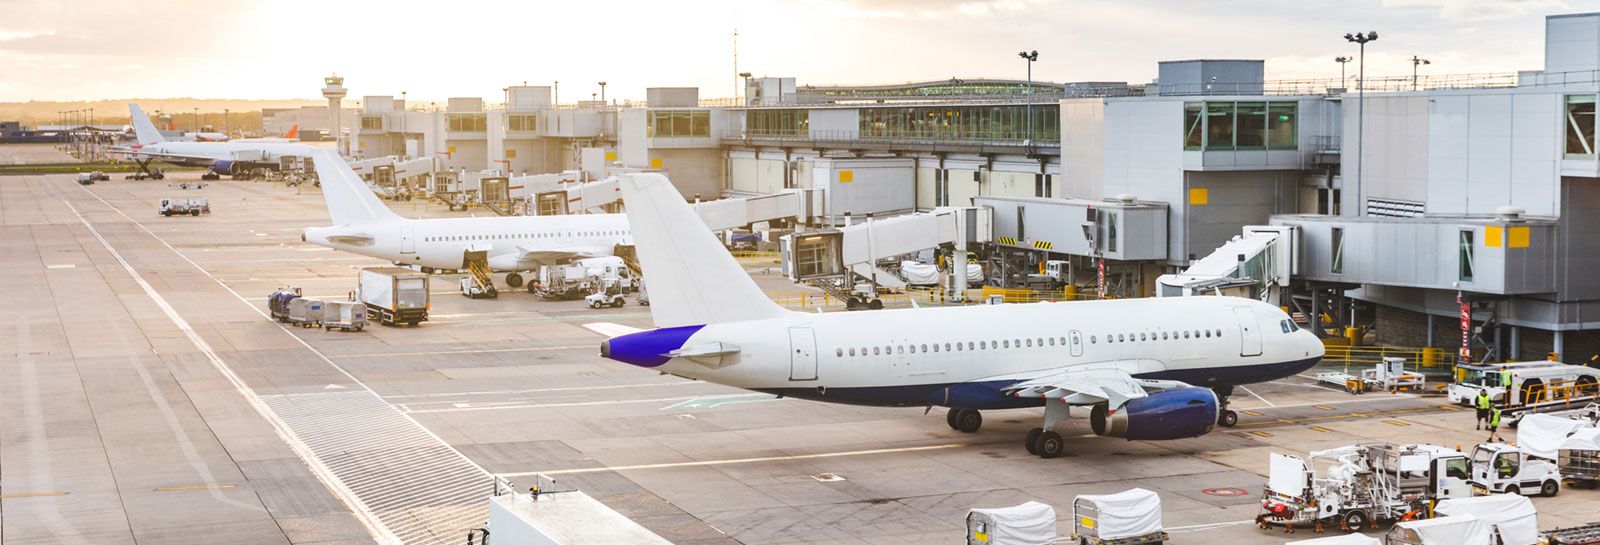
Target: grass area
(71,168)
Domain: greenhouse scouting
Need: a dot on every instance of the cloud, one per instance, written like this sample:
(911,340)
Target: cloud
(1481,10)
(13,35)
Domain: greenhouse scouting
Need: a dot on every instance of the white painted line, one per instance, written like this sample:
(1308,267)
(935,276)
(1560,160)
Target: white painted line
(59,267)
(374,526)
(738,460)
(1253,394)
(497,407)
(482,351)
(541,390)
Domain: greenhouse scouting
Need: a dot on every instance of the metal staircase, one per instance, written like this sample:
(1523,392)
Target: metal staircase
(479,282)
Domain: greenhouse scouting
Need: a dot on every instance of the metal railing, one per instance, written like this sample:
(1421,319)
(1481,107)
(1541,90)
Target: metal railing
(1007,138)
(1367,355)
(807,300)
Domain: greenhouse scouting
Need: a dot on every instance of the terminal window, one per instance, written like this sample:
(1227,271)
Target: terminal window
(1465,256)
(1220,126)
(469,122)
(1337,239)
(680,123)
(1580,125)
(372,122)
(523,122)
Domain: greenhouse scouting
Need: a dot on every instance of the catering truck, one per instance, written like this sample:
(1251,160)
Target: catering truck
(394,295)
(1358,486)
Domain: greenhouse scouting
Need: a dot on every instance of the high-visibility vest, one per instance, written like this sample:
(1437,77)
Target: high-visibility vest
(1494,418)
(1505,379)
(1483,399)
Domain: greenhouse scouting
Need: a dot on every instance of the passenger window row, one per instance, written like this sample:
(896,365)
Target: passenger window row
(457,238)
(1162,336)
(968,346)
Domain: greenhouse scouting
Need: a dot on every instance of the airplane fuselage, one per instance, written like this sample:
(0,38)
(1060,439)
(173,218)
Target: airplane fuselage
(962,356)
(513,243)
(208,153)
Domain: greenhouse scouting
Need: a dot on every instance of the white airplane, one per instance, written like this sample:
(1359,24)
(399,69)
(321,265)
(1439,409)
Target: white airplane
(363,225)
(222,158)
(1148,369)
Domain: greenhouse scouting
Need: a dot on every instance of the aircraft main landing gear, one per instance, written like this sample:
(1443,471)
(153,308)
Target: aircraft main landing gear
(1043,442)
(964,420)
(514,280)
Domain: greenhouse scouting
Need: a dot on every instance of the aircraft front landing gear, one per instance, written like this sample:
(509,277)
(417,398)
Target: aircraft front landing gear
(1225,417)
(964,420)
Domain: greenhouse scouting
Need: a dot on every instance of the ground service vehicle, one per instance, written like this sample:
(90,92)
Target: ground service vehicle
(580,278)
(85,178)
(1357,486)
(1532,382)
(394,295)
(179,207)
(1498,468)
(278,302)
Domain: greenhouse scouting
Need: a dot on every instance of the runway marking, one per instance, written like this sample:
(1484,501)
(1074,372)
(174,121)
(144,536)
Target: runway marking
(195,487)
(1396,423)
(718,401)
(738,460)
(496,406)
(1322,407)
(1261,434)
(1253,394)
(542,390)
(1321,429)
(452,507)
(1345,416)
(32,495)
(482,351)
(1251,413)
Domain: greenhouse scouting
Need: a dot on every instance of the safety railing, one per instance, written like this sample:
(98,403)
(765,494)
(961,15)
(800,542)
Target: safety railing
(1421,356)
(932,296)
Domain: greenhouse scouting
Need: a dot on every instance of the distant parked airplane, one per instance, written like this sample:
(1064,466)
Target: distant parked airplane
(1145,368)
(222,158)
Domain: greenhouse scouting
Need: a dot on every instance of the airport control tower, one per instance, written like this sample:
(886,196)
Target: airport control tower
(333,90)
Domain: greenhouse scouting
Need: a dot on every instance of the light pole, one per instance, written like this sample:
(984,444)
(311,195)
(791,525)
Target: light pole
(746,91)
(1361,106)
(1415,62)
(196,120)
(1029,56)
(602,92)
(1342,61)
(225,121)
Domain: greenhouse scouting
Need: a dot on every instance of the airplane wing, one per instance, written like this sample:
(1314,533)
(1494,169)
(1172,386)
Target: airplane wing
(1078,386)
(552,256)
(177,157)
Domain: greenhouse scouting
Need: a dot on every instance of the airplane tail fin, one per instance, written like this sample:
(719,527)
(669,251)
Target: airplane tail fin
(349,199)
(293,133)
(143,128)
(693,279)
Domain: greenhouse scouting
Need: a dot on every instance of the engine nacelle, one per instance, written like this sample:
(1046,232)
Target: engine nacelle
(223,167)
(1169,414)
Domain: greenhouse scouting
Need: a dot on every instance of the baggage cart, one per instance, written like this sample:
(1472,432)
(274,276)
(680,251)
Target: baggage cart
(1579,457)
(278,302)
(1588,534)
(1456,530)
(305,312)
(1132,517)
(1031,523)
(345,315)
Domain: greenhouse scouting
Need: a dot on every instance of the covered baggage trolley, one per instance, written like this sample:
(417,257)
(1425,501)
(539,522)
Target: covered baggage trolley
(1457,530)
(305,312)
(1347,539)
(1510,516)
(1124,518)
(1580,457)
(278,302)
(1031,523)
(345,315)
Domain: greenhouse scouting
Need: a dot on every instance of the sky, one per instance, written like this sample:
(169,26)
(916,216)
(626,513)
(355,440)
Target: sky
(258,49)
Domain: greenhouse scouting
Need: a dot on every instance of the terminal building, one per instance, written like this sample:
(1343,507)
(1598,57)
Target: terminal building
(1395,203)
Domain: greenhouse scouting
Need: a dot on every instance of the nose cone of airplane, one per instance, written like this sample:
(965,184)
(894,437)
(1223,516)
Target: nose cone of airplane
(647,348)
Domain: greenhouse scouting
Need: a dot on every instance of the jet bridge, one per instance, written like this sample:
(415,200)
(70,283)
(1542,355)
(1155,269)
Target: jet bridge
(830,255)
(1257,264)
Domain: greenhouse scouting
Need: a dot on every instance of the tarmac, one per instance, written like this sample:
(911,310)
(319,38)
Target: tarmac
(148,398)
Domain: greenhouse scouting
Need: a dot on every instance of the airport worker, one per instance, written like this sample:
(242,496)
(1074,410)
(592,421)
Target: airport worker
(1494,424)
(1483,404)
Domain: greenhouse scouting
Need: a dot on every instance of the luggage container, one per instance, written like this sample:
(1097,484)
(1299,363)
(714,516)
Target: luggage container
(1510,517)
(278,302)
(1125,518)
(1579,457)
(394,295)
(305,312)
(1457,530)
(345,315)
(1031,523)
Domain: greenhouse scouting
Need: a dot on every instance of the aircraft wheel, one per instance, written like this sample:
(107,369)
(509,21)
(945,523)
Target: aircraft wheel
(1032,440)
(514,280)
(950,417)
(969,421)
(1228,419)
(1049,445)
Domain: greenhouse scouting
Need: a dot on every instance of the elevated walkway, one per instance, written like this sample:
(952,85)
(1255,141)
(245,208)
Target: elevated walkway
(1258,264)
(853,251)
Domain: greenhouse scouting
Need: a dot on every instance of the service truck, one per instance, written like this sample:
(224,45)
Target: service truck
(1498,468)
(394,295)
(1532,382)
(179,207)
(582,277)
(1357,486)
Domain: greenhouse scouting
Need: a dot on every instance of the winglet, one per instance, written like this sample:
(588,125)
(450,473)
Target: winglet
(143,129)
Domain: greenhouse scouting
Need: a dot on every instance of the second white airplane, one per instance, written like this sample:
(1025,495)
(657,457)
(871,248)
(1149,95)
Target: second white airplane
(363,225)
(1145,368)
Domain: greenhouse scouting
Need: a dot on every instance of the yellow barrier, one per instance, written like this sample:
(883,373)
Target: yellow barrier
(1340,353)
(936,296)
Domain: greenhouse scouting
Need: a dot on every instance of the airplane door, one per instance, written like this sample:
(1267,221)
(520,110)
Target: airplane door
(1076,339)
(407,245)
(802,354)
(1249,332)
